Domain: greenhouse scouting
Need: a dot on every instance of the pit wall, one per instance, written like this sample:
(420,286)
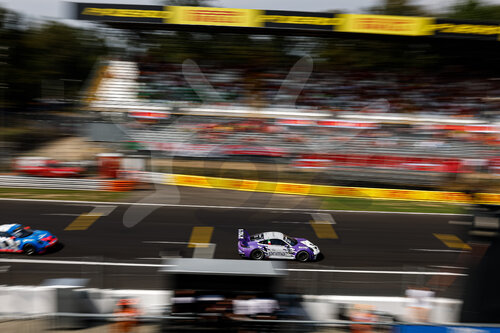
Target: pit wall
(37,301)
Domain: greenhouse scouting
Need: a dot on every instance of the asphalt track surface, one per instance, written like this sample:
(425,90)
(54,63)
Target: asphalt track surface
(366,241)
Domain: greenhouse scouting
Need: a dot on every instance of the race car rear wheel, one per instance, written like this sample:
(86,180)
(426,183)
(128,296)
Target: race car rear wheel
(302,256)
(29,250)
(257,254)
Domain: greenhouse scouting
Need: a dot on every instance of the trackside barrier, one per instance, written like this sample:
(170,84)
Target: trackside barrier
(326,190)
(43,300)
(120,185)
(66,184)
(18,301)
(53,183)
(322,307)
(22,300)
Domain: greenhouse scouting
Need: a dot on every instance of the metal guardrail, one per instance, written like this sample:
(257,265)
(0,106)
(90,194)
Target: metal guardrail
(53,183)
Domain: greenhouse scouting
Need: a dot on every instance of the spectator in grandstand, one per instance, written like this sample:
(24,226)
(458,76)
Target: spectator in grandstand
(348,91)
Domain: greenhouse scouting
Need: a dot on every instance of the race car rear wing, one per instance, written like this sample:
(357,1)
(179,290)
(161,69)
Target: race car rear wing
(243,236)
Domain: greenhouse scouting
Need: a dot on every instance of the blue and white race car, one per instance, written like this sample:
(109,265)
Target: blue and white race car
(16,238)
(275,245)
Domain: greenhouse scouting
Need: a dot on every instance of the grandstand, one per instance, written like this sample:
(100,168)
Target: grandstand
(153,86)
(410,127)
(419,149)
(118,88)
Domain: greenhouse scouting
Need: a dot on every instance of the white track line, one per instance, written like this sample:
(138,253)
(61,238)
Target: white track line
(449,267)
(323,218)
(460,222)
(302,210)
(368,271)
(76,262)
(99,263)
(102,210)
(179,243)
(435,250)
(291,222)
(60,214)
(150,258)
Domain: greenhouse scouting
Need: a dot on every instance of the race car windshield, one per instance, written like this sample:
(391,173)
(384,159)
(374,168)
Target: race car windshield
(291,241)
(256,237)
(21,233)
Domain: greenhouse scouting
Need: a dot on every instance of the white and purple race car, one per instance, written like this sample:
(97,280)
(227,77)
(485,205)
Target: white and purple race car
(275,245)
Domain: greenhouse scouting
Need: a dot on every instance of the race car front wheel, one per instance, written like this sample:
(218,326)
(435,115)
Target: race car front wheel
(257,254)
(29,250)
(302,256)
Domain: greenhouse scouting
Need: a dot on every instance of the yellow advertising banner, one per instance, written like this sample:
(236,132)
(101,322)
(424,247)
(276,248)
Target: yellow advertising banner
(290,188)
(121,12)
(465,29)
(233,184)
(328,191)
(385,24)
(229,17)
(489,198)
(190,180)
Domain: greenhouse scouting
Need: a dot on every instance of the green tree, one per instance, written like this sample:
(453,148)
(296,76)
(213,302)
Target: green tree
(41,54)
(398,7)
(193,3)
(473,10)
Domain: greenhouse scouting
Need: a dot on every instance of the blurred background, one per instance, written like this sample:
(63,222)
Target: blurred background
(166,126)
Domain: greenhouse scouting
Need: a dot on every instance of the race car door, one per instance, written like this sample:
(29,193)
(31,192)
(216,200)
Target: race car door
(7,243)
(280,250)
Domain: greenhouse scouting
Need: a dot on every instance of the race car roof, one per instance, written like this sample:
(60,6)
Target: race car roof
(9,227)
(269,235)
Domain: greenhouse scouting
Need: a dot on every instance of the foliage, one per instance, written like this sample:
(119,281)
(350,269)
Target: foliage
(38,56)
(398,7)
(193,3)
(231,49)
(473,10)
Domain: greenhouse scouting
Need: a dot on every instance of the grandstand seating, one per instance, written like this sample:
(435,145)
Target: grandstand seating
(128,86)
(118,90)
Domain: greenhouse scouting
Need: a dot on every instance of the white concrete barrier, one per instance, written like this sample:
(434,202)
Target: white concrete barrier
(149,302)
(36,300)
(325,307)
(27,300)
